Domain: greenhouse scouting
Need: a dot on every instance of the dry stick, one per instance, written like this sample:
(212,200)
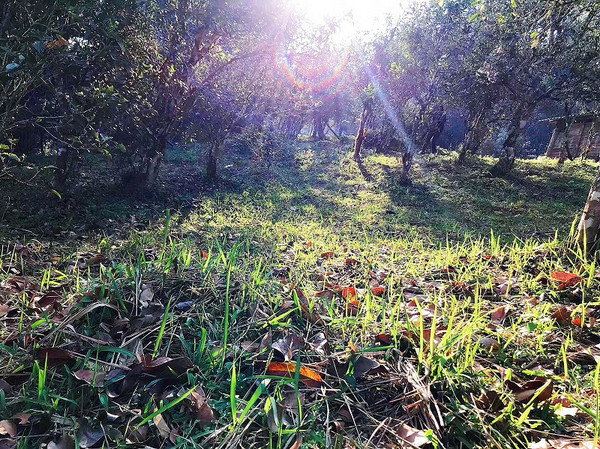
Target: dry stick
(381,424)
(334,133)
(327,427)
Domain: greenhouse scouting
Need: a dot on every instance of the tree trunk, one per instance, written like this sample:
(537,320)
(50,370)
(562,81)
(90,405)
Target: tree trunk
(507,162)
(589,225)
(318,127)
(153,164)
(362,130)
(407,162)
(62,169)
(473,138)
(211,164)
(360,138)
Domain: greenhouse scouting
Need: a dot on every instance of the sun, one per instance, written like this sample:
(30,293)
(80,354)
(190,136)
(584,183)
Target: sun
(353,18)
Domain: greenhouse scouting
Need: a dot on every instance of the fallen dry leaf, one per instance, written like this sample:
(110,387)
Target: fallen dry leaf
(146,296)
(204,412)
(57,44)
(349,293)
(8,428)
(165,366)
(415,437)
(566,279)
(539,388)
(378,291)
(491,401)
(23,418)
(289,346)
(54,356)
(562,315)
(87,376)
(491,344)
(64,442)
(88,436)
(364,365)
(499,314)
(162,426)
(95,260)
(285,413)
(288,369)
(564,443)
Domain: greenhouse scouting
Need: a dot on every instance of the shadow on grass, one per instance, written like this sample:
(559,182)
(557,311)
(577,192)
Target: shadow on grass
(324,184)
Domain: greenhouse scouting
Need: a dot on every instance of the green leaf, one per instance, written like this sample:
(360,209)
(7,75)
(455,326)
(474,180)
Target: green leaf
(57,194)
(513,3)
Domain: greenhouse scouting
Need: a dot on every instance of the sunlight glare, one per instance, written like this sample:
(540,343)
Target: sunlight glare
(353,17)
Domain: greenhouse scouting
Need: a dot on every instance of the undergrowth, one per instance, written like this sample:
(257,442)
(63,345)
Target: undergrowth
(312,304)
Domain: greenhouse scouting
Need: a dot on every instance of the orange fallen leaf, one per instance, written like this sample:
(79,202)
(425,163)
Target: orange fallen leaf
(288,369)
(57,44)
(95,260)
(378,291)
(566,279)
(349,293)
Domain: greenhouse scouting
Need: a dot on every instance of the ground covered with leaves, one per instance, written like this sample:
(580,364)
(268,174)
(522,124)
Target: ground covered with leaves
(310,302)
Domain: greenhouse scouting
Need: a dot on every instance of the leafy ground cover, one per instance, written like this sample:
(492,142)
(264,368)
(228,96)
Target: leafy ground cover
(307,303)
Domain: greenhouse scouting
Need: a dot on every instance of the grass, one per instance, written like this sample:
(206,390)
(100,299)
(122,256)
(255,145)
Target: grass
(172,309)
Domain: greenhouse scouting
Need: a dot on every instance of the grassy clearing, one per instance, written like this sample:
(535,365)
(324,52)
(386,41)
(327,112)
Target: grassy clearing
(396,314)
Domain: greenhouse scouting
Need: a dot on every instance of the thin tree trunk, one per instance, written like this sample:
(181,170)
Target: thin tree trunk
(407,162)
(318,128)
(62,169)
(211,164)
(360,138)
(589,225)
(153,165)
(472,139)
(362,130)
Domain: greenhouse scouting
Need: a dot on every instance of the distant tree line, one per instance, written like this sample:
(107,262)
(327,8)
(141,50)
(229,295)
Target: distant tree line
(130,78)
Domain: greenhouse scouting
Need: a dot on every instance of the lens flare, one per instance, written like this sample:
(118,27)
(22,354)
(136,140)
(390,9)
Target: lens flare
(307,74)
